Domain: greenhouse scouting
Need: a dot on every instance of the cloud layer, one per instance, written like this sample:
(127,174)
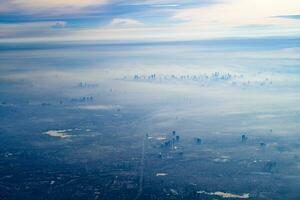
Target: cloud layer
(145,20)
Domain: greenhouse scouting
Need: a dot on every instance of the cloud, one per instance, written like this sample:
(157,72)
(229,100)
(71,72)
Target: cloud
(99,107)
(289,16)
(57,133)
(239,12)
(144,20)
(169,3)
(60,25)
(32,29)
(58,3)
(124,22)
(42,6)
(52,4)
(115,34)
(112,8)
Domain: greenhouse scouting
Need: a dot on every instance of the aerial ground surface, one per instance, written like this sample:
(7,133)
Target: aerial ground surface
(178,120)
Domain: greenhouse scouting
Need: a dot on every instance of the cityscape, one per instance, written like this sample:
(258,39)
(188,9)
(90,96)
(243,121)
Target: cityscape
(149,100)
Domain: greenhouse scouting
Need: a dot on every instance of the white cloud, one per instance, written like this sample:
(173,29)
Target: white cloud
(32,29)
(99,107)
(57,133)
(59,24)
(185,31)
(226,195)
(46,4)
(207,22)
(124,22)
(240,12)
(55,6)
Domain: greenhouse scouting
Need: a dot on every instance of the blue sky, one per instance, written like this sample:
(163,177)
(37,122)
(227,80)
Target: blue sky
(145,20)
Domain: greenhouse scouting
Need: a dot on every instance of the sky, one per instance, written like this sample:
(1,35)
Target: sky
(145,20)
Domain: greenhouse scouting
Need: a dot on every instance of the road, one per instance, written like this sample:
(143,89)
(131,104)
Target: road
(141,180)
